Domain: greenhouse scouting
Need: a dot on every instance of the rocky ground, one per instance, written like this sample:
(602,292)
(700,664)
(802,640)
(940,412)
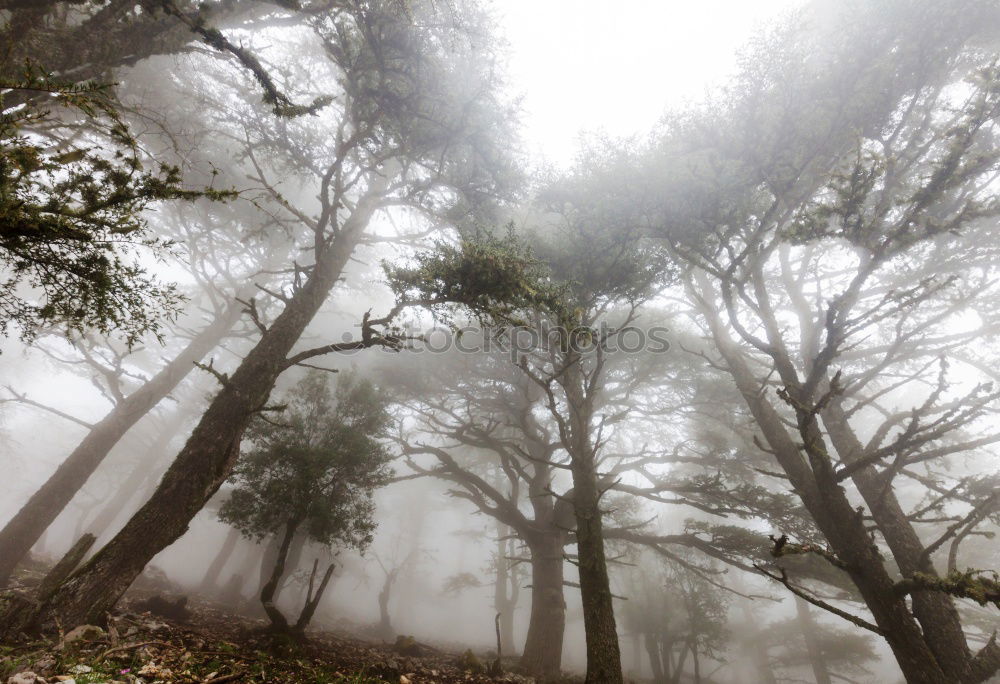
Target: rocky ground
(201,642)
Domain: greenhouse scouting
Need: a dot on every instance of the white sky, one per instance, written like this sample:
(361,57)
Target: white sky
(617,66)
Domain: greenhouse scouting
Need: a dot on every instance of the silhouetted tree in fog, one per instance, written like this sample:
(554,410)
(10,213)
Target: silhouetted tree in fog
(312,469)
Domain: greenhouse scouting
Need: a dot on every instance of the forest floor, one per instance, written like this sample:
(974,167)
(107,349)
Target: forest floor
(210,645)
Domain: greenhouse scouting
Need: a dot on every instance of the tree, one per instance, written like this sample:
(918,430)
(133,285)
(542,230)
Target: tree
(486,406)
(556,387)
(828,253)
(680,616)
(392,569)
(411,132)
(314,471)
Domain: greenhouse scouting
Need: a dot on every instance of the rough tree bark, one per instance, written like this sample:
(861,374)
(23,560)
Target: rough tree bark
(813,646)
(603,651)
(935,611)
(543,643)
(141,480)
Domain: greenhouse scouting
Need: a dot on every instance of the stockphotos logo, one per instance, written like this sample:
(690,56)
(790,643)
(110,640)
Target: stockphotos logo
(521,340)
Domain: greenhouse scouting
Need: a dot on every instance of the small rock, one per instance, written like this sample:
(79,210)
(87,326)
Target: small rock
(25,678)
(84,632)
(403,679)
(45,665)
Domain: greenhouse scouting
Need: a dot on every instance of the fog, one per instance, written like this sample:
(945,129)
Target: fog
(655,343)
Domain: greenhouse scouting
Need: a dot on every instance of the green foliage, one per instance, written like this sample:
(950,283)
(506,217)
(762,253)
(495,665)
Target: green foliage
(497,279)
(71,215)
(318,467)
(981,586)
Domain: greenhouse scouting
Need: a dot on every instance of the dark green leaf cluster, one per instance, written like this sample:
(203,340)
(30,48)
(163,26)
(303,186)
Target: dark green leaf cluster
(497,279)
(71,216)
(318,467)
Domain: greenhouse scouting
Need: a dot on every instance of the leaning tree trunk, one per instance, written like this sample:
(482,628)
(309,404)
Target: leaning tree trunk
(313,599)
(208,457)
(210,581)
(935,611)
(28,524)
(815,483)
(268,554)
(543,645)
(141,481)
(278,620)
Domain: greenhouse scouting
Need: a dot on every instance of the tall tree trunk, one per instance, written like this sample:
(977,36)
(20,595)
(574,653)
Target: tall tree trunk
(604,664)
(210,582)
(653,651)
(696,662)
(813,647)
(294,558)
(268,554)
(603,656)
(678,668)
(513,597)
(543,645)
(208,457)
(667,656)
(503,591)
(28,524)
(385,630)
